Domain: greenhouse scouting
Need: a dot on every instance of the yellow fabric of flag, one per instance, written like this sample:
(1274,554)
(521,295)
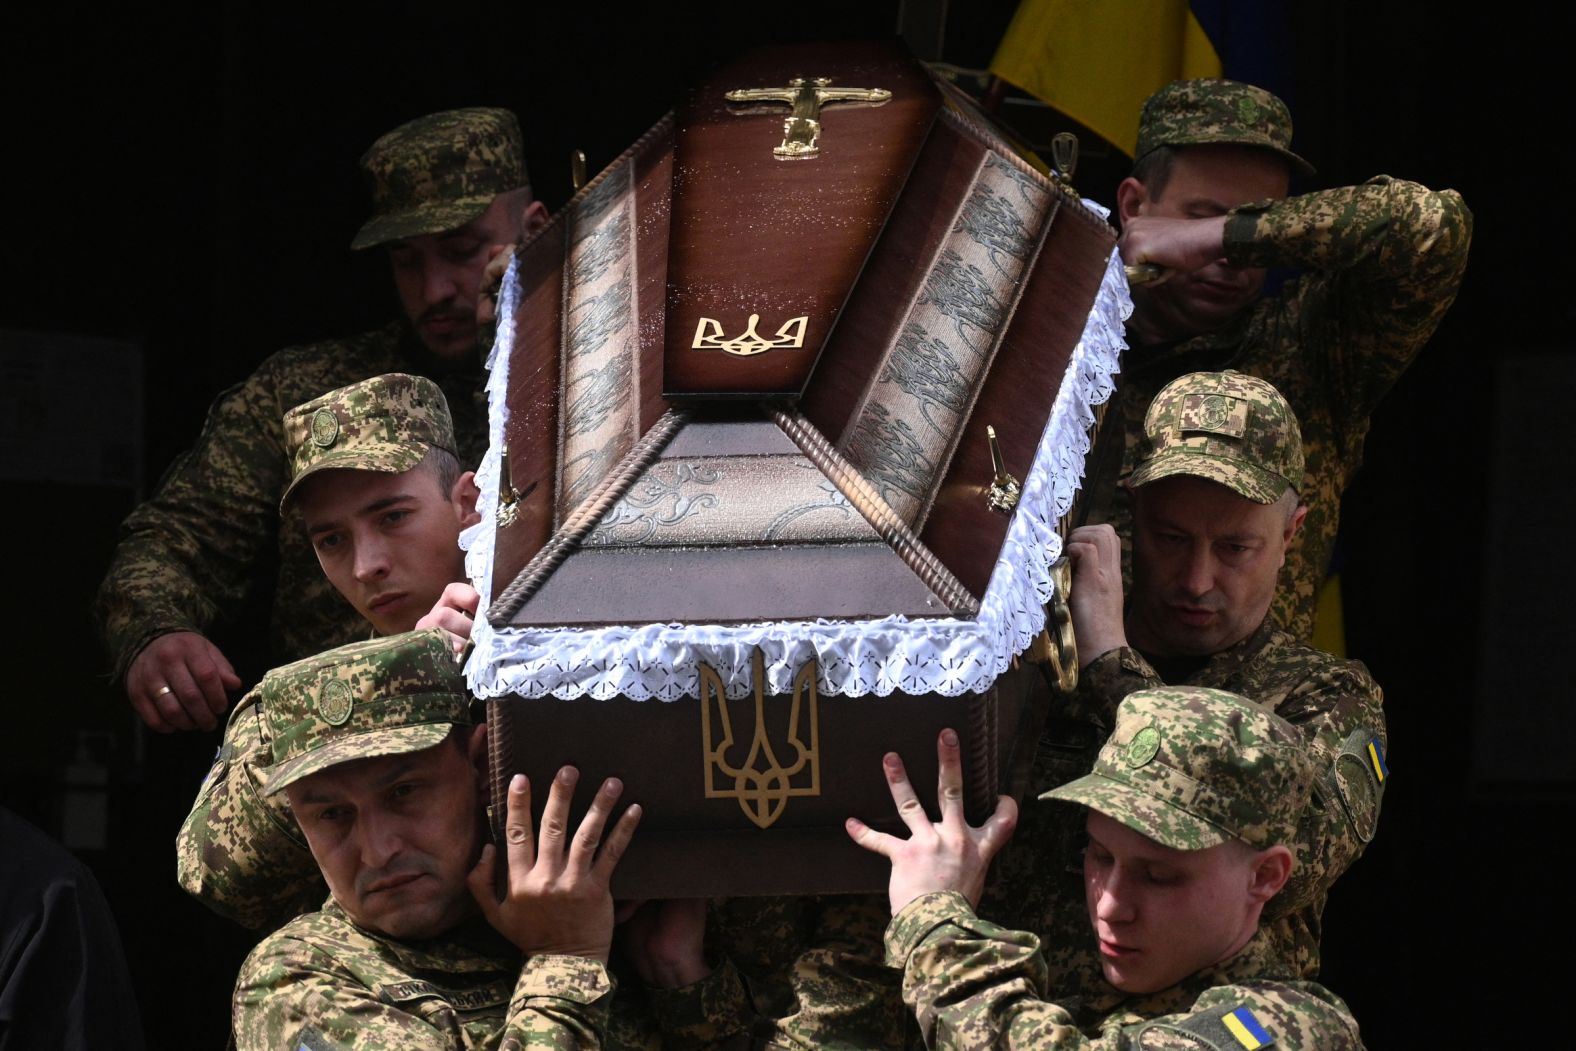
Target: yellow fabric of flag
(1097,60)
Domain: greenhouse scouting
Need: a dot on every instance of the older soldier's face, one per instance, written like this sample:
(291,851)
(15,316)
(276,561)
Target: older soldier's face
(1205,182)
(439,276)
(1160,914)
(1205,564)
(396,837)
(389,543)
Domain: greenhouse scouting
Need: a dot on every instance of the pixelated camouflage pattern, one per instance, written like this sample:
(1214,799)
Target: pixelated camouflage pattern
(1384,260)
(973,984)
(1036,883)
(1191,767)
(439,172)
(210,539)
(1224,426)
(385,696)
(369,992)
(800,973)
(386,423)
(1221,112)
(239,851)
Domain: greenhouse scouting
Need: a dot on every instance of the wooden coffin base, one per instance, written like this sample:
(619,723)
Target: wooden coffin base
(712,828)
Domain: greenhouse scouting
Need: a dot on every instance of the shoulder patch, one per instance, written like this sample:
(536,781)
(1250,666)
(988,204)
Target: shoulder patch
(309,1039)
(1222,1029)
(1360,774)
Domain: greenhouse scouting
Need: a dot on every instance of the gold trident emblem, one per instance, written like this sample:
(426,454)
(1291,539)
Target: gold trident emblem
(802,127)
(709,336)
(762,784)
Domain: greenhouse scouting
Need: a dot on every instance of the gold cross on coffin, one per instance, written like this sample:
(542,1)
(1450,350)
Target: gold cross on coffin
(803,125)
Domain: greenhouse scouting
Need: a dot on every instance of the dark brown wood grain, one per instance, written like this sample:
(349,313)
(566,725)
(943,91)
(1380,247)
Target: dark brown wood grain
(754,234)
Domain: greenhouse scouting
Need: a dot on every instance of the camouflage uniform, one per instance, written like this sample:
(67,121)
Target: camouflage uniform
(1237,431)
(321,978)
(321,981)
(1188,768)
(240,851)
(793,973)
(200,544)
(1383,261)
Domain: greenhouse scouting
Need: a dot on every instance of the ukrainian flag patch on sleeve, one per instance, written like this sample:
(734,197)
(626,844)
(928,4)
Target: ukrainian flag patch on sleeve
(1376,758)
(1241,1024)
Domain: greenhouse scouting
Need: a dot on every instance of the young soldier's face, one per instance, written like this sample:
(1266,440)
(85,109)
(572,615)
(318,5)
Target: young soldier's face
(396,836)
(1205,182)
(1205,564)
(387,542)
(1160,914)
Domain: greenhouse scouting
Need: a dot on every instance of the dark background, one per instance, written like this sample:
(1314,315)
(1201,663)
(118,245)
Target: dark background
(181,183)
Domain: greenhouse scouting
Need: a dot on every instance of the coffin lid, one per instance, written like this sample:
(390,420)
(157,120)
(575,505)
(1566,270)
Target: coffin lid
(675,504)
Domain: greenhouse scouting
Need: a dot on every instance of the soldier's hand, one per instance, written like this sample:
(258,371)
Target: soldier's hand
(557,899)
(498,259)
(946,855)
(1096,598)
(178,682)
(1182,245)
(665,941)
(454,612)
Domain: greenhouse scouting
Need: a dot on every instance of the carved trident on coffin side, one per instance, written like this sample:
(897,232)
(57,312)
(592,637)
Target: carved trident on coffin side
(803,124)
(762,784)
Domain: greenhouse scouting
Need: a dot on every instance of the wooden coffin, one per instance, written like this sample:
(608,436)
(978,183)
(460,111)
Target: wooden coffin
(741,444)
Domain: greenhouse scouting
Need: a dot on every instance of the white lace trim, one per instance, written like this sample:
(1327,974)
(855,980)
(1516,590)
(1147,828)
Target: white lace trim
(948,656)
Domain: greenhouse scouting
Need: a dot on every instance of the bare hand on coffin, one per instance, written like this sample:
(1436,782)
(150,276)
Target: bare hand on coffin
(1096,599)
(947,855)
(454,612)
(557,900)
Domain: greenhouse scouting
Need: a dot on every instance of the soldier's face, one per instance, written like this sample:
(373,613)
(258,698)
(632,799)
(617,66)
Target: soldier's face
(389,543)
(1205,565)
(1160,914)
(396,836)
(1205,182)
(439,276)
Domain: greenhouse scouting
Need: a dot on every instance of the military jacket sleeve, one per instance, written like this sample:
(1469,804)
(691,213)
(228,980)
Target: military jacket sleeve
(1386,259)
(1113,675)
(196,547)
(295,992)
(239,851)
(973,984)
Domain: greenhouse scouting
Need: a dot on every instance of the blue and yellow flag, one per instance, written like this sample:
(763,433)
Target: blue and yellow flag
(1097,60)
(1246,1028)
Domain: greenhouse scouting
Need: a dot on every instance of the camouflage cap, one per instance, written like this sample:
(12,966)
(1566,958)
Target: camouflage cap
(387,696)
(1191,767)
(439,172)
(1228,427)
(1217,112)
(386,423)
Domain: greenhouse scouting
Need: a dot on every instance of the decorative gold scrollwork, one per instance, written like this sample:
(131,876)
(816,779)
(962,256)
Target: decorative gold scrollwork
(709,336)
(762,784)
